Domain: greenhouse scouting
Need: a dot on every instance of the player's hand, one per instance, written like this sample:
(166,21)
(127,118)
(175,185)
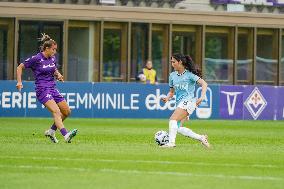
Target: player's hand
(165,99)
(19,86)
(59,77)
(198,101)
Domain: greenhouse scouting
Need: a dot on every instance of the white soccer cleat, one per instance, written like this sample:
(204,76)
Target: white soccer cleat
(71,134)
(204,141)
(168,145)
(51,136)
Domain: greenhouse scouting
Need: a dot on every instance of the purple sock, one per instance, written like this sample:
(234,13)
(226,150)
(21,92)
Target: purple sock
(63,131)
(53,127)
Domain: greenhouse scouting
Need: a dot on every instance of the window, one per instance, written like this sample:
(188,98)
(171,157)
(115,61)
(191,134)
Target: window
(3,53)
(245,56)
(82,46)
(219,50)
(7,49)
(282,60)
(266,56)
(139,47)
(160,51)
(114,52)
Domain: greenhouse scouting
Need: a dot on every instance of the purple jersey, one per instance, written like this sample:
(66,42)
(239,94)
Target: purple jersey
(43,69)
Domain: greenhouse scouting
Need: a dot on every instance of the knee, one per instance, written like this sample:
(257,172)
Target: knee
(66,112)
(172,118)
(56,112)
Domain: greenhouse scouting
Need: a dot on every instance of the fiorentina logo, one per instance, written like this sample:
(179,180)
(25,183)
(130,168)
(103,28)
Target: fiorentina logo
(255,103)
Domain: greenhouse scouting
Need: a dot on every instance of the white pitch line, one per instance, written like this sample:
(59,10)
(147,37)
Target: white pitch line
(148,161)
(43,167)
(240,177)
(185,174)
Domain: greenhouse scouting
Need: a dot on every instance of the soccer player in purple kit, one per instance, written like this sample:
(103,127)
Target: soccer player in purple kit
(45,72)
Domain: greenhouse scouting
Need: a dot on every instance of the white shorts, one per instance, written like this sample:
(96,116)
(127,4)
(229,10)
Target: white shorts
(188,105)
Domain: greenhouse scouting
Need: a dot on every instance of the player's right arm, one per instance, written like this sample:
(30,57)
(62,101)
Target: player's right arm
(171,92)
(29,63)
(19,76)
(169,96)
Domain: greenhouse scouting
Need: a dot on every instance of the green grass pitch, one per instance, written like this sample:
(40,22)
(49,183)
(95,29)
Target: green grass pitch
(121,154)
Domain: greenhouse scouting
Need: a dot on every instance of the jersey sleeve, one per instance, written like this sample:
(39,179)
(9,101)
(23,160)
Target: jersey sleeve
(194,77)
(171,84)
(30,62)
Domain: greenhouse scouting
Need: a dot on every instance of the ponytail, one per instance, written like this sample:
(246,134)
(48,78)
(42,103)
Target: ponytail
(190,66)
(46,41)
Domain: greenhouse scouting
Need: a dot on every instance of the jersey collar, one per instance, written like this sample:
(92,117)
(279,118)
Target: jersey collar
(181,73)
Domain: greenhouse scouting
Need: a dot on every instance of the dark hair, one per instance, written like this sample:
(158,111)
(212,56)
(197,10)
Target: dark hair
(188,63)
(46,42)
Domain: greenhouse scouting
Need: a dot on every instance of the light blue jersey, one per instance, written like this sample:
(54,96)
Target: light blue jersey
(184,85)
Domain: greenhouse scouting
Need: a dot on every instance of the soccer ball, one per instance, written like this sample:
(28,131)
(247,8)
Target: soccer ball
(142,77)
(161,138)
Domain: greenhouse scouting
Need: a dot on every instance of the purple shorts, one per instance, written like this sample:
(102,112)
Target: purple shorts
(45,94)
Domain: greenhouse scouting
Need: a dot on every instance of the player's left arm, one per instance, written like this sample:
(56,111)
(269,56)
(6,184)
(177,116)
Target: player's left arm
(58,75)
(203,84)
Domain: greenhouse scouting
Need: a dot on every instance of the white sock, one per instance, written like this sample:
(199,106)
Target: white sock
(51,131)
(66,136)
(173,127)
(189,133)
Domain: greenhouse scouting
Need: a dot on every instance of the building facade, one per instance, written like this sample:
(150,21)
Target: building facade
(234,42)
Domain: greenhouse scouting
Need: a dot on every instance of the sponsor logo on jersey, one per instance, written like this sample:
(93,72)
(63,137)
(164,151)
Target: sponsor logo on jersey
(48,65)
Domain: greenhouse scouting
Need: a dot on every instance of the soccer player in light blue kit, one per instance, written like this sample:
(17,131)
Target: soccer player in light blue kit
(45,72)
(182,83)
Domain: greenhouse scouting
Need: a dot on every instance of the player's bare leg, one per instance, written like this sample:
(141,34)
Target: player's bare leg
(58,114)
(54,109)
(179,114)
(65,112)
